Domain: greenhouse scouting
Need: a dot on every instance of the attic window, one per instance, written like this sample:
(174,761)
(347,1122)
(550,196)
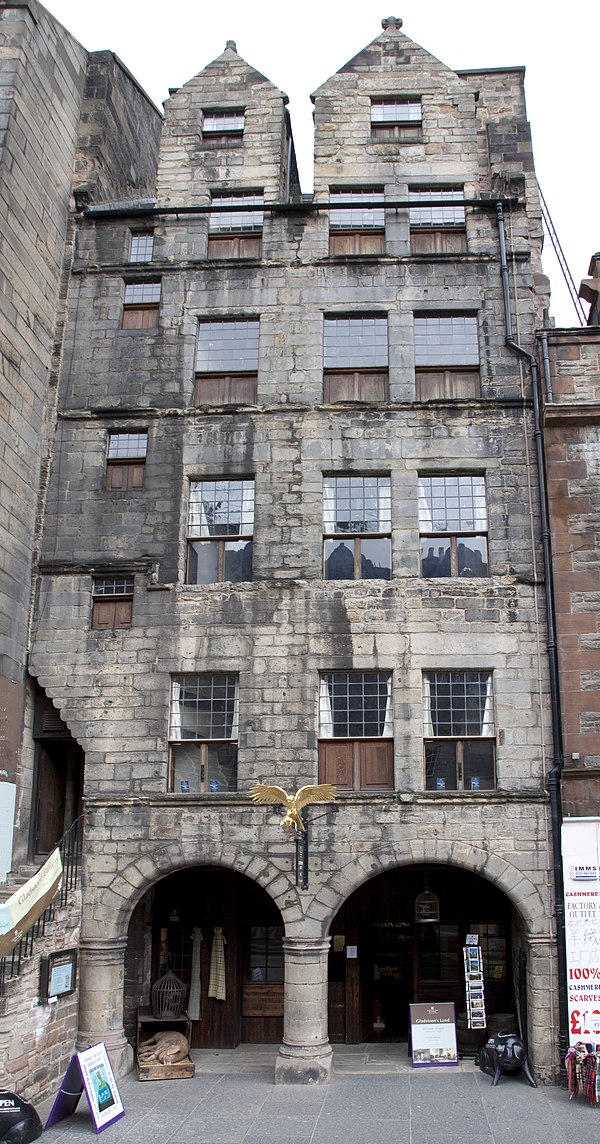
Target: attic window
(219,125)
(396,120)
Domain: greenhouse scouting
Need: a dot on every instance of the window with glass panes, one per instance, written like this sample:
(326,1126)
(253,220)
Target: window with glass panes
(141,247)
(355,358)
(356,747)
(227,361)
(437,220)
(446,356)
(224,125)
(112,602)
(126,461)
(396,120)
(357,524)
(356,222)
(203,731)
(266,953)
(453,525)
(458,716)
(141,306)
(220,529)
(235,225)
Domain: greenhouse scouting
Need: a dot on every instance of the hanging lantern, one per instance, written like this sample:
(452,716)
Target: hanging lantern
(427,906)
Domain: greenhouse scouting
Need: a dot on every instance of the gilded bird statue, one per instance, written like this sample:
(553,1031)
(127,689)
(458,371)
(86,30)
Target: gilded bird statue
(292,819)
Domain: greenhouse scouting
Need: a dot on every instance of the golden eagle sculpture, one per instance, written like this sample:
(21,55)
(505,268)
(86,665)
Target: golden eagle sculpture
(323,792)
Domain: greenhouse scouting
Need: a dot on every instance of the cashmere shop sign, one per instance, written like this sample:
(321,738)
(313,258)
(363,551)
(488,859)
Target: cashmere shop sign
(581,864)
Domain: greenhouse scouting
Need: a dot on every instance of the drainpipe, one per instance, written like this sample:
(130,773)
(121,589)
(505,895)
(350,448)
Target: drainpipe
(557,758)
(546,363)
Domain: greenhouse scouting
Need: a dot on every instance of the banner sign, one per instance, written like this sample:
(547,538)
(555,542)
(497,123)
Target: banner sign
(22,910)
(433,1035)
(581,865)
(89,1071)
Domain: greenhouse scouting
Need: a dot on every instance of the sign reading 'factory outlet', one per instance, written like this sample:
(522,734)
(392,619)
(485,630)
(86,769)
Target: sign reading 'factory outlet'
(581,862)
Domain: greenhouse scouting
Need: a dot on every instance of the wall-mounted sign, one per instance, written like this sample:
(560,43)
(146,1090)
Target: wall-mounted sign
(89,1071)
(581,863)
(58,974)
(351,952)
(433,1035)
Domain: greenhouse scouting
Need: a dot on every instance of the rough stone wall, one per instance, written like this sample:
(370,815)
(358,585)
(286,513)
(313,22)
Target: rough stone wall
(37,1040)
(41,79)
(119,132)
(572,439)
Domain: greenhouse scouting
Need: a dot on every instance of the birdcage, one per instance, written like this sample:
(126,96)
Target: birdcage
(167,996)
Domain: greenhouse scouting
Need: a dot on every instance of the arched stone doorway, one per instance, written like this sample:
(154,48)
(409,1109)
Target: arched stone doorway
(173,928)
(381,959)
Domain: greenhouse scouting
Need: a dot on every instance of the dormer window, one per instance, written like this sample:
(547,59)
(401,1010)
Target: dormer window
(396,120)
(223,125)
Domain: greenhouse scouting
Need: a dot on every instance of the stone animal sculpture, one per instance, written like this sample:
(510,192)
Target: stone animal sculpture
(292,819)
(164,1048)
(504,1053)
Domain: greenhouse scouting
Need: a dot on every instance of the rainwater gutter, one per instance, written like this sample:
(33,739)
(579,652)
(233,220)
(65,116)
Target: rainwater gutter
(554,774)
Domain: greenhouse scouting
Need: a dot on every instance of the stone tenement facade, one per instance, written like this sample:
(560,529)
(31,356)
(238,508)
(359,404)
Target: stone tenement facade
(291,535)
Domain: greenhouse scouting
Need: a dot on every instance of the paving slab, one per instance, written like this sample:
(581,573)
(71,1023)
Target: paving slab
(375,1097)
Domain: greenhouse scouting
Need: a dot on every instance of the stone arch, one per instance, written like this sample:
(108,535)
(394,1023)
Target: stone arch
(526,897)
(132,882)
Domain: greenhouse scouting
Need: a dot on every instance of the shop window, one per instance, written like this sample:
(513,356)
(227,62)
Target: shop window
(446,356)
(437,220)
(396,120)
(357,527)
(355,358)
(453,525)
(458,714)
(126,461)
(112,602)
(439,953)
(227,362)
(225,126)
(141,248)
(356,747)
(266,953)
(235,226)
(220,527)
(357,226)
(491,937)
(203,731)
(141,306)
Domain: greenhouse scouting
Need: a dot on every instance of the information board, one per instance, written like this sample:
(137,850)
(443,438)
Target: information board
(89,1071)
(433,1035)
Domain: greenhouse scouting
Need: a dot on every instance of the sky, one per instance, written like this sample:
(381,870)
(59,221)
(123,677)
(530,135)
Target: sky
(299,46)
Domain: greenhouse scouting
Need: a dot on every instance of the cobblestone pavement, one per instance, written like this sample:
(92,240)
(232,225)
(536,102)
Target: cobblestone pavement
(375,1097)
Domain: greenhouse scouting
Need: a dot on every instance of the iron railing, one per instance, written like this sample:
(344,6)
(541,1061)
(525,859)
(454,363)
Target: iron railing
(70,846)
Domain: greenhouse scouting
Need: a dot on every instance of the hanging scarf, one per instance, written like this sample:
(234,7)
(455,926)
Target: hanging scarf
(216,982)
(196,984)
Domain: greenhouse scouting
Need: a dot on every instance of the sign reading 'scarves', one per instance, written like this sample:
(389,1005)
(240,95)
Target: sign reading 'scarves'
(292,819)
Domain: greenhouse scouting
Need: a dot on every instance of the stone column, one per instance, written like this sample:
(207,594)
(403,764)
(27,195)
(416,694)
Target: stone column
(101,979)
(305,1055)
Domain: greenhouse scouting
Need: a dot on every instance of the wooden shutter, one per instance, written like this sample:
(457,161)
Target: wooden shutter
(438,241)
(235,246)
(125,475)
(355,385)
(140,317)
(446,383)
(226,389)
(336,763)
(377,765)
(112,614)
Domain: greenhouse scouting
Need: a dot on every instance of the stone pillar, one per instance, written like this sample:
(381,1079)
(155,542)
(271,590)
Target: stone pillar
(542,1007)
(305,1055)
(101,980)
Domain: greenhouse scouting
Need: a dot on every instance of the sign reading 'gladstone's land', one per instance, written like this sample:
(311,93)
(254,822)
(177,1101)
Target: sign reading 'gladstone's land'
(22,910)
(581,864)
(433,1035)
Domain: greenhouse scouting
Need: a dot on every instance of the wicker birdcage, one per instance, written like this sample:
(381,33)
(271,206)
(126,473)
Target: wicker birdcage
(167,996)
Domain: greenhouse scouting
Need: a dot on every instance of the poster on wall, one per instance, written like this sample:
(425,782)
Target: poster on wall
(89,1071)
(581,866)
(433,1035)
